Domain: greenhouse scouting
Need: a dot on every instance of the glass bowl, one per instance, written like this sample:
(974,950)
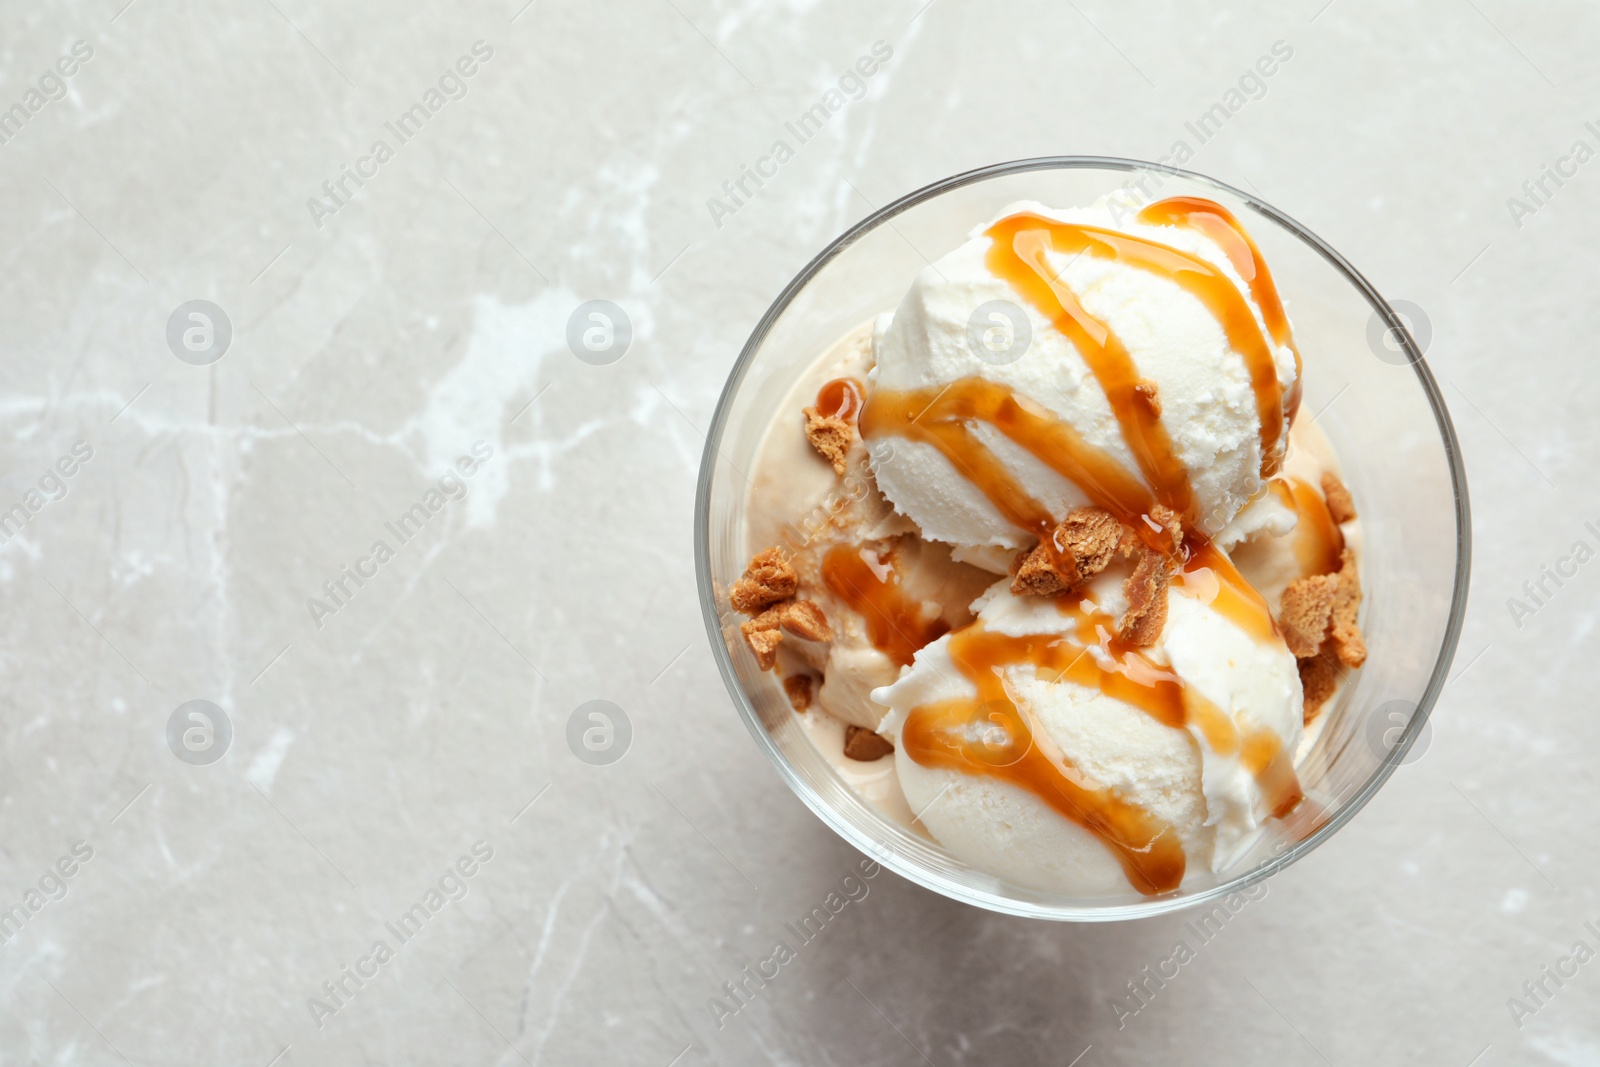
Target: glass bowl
(1365,384)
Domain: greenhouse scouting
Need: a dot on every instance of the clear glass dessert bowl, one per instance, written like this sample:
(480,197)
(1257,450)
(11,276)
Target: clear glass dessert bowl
(1365,385)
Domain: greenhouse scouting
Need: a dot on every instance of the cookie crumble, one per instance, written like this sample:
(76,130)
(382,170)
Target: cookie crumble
(864,746)
(830,436)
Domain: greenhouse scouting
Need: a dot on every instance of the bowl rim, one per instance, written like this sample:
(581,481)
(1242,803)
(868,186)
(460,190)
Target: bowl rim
(829,815)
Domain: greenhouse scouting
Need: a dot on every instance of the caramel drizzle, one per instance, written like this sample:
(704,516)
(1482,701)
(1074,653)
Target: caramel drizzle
(1234,598)
(1317,538)
(1218,223)
(1259,751)
(989,735)
(1018,255)
(840,398)
(942,417)
(897,626)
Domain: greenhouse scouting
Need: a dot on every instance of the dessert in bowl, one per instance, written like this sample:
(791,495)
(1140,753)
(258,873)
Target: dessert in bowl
(1063,538)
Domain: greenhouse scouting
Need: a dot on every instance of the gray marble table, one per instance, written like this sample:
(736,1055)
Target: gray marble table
(391,212)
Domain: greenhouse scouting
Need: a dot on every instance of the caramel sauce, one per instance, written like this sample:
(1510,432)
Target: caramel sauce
(1272,766)
(1260,751)
(1133,679)
(1018,256)
(1218,223)
(897,626)
(1214,724)
(1317,538)
(841,398)
(1209,570)
(989,736)
(940,417)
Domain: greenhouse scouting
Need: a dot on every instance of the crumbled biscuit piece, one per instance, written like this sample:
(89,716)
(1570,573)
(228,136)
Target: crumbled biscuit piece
(767,580)
(1152,395)
(1129,545)
(1345,633)
(763,636)
(1146,589)
(804,619)
(1085,542)
(1340,504)
(1307,607)
(764,643)
(799,687)
(864,746)
(1092,536)
(1319,676)
(830,436)
(1319,624)
(799,617)
(1169,521)
(1322,609)
(1033,573)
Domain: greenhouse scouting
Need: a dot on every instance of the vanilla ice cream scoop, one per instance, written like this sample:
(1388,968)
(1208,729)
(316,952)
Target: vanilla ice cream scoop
(1034,748)
(1103,355)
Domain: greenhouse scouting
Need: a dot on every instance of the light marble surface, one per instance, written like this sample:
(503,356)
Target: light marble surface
(429,313)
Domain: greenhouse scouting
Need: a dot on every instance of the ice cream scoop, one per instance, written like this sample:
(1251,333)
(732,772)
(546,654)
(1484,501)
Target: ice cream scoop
(1103,355)
(1034,747)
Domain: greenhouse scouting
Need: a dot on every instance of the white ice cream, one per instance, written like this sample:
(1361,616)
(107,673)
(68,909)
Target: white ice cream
(1209,407)
(951,542)
(1210,799)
